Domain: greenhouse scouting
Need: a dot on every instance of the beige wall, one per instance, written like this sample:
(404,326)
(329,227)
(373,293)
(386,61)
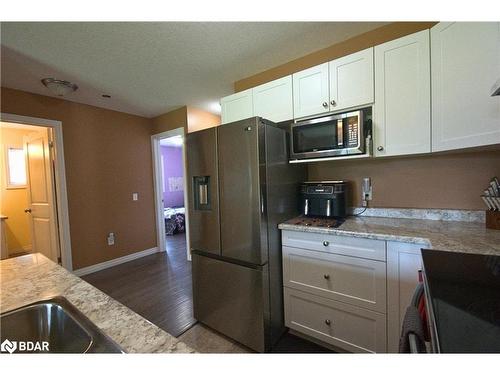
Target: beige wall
(437,181)
(369,39)
(198,119)
(170,120)
(107,156)
(190,118)
(14,201)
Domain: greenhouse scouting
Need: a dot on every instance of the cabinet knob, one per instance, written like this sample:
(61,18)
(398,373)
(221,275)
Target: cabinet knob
(28,210)
(380,148)
(326,243)
(326,276)
(325,104)
(328,322)
(333,102)
(248,128)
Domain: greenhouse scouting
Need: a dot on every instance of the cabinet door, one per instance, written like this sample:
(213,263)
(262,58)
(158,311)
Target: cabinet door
(465,66)
(402,111)
(310,91)
(273,100)
(351,80)
(236,107)
(403,263)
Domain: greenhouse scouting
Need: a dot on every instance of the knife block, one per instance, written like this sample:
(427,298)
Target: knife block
(493,220)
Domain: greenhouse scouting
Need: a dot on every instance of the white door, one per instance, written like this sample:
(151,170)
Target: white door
(402,111)
(351,80)
(403,263)
(465,65)
(236,107)
(41,195)
(273,100)
(310,91)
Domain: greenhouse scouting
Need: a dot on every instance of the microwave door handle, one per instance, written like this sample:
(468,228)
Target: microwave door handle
(340,132)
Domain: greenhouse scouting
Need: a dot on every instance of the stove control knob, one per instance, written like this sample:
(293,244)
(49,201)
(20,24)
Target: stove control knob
(326,243)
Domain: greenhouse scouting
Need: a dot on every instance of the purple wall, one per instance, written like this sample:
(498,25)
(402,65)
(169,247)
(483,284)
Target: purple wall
(173,195)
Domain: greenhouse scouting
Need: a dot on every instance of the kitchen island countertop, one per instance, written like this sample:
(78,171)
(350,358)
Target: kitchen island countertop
(30,278)
(456,236)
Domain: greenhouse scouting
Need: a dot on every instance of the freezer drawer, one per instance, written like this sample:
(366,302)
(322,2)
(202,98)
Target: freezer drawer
(231,299)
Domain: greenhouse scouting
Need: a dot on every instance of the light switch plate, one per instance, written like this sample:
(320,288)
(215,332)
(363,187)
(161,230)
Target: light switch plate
(111,239)
(135,196)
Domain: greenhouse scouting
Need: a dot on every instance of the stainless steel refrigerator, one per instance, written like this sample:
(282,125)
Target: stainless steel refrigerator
(241,187)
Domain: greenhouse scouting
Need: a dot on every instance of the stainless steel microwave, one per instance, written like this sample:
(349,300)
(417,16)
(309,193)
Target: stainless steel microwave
(332,135)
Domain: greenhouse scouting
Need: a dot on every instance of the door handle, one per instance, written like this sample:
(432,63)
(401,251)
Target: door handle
(28,210)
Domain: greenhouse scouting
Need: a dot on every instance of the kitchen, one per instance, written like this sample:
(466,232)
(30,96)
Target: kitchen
(342,192)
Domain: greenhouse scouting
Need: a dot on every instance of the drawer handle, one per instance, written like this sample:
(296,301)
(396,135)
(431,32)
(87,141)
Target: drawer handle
(326,276)
(328,322)
(326,243)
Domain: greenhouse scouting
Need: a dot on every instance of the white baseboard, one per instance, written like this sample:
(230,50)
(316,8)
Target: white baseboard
(114,262)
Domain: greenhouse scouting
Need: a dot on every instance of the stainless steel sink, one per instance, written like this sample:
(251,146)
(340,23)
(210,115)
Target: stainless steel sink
(57,322)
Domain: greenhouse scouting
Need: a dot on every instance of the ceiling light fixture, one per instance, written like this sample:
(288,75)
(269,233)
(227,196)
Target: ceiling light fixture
(59,87)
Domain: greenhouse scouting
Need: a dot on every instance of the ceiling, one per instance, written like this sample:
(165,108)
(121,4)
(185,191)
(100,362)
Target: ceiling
(150,68)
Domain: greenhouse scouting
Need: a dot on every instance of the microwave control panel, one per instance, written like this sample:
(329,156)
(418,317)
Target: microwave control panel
(352,132)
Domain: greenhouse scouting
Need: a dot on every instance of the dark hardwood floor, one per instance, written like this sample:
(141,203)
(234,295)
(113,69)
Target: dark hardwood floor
(157,287)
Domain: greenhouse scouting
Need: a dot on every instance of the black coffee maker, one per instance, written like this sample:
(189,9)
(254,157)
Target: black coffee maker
(323,199)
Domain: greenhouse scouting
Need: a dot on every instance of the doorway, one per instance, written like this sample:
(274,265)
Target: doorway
(169,169)
(33,189)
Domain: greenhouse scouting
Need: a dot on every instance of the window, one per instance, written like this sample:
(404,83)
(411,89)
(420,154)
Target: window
(16,168)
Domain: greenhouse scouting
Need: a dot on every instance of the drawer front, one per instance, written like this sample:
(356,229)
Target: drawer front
(330,243)
(360,282)
(336,323)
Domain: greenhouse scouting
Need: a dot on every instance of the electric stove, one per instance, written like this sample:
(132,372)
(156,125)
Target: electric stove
(463,301)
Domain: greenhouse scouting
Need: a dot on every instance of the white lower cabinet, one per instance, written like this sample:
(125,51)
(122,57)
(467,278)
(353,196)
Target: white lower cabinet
(403,264)
(348,292)
(346,326)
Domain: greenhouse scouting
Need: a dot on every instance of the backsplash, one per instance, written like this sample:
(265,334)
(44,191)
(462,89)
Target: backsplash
(471,216)
(443,181)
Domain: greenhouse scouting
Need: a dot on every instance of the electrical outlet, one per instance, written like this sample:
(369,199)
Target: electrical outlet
(367,190)
(111,239)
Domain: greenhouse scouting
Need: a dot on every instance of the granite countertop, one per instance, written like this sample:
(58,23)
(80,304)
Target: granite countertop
(457,236)
(30,278)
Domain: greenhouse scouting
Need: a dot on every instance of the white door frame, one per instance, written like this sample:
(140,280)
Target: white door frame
(158,187)
(60,181)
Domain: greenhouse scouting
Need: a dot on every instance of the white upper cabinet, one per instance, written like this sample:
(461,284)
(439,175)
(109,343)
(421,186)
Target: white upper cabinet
(402,111)
(351,80)
(465,66)
(274,100)
(310,91)
(236,107)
